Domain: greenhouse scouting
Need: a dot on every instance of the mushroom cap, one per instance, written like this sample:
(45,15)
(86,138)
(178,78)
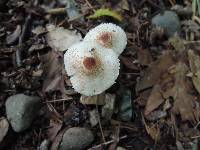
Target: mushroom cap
(108,35)
(91,67)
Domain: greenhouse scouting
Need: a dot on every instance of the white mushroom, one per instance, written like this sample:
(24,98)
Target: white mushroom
(91,67)
(108,35)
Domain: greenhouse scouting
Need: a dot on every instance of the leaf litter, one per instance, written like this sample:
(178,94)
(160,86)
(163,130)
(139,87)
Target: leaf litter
(161,75)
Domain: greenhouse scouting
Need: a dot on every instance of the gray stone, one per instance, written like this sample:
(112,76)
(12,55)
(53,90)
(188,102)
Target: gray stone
(21,110)
(169,21)
(44,145)
(76,138)
(108,108)
(125,108)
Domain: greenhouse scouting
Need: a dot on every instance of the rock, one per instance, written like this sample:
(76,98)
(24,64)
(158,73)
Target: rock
(120,148)
(21,110)
(93,117)
(44,145)
(108,108)
(76,138)
(125,107)
(168,20)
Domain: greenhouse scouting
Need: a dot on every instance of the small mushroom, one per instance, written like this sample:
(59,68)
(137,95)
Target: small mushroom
(108,35)
(91,67)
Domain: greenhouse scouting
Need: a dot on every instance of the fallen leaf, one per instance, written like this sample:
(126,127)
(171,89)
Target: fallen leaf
(53,130)
(56,142)
(153,130)
(36,47)
(128,61)
(194,61)
(106,12)
(143,97)
(154,71)
(177,43)
(12,38)
(144,57)
(4,126)
(123,4)
(39,30)
(155,115)
(184,102)
(61,39)
(53,71)
(155,99)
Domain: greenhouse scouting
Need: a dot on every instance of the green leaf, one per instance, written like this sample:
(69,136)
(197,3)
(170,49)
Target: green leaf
(106,12)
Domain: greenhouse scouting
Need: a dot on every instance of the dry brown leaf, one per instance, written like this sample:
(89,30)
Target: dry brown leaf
(56,142)
(184,102)
(154,100)
(155,115)
(154,72)
(61,39)
(128,61)
(13,37)
(143,96)
(55,127)
(53,72)
(153,130)
(144,57)
(194,61)
(123,4)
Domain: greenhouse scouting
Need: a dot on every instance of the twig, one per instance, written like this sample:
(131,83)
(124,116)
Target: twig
(56,11)
(21,40)
(59,100)
(197,19)
(106,143)
(100,126)
(91,7)
(197,125)
(195,137)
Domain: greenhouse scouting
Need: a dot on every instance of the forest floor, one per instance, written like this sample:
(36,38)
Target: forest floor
(155,102)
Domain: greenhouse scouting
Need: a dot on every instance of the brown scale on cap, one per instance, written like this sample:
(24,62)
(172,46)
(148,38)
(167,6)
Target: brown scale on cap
(89,63)
(105,39)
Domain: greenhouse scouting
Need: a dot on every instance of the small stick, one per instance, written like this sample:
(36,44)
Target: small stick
(106,143)
(100,126)
(21,40)
(195,137)
(56,11)
(91,7)
(197,19)
(59,100)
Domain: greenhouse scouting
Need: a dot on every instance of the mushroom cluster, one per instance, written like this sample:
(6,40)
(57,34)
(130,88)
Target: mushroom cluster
(93,64)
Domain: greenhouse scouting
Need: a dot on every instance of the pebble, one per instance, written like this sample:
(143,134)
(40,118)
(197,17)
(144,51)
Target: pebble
(108,108)
(125,108)
(76,138)
(168,20)
(44,145)
(21,110)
